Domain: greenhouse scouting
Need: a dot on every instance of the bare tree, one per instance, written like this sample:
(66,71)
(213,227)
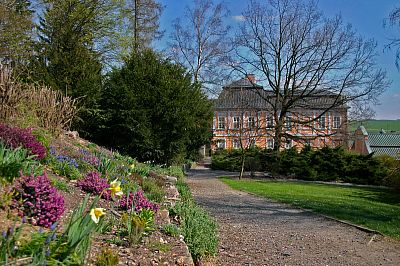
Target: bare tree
(140,24)
(247,129)
(302,57)
(394,20)
(200,43)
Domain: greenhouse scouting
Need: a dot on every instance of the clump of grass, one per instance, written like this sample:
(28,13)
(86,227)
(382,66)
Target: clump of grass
(159,246)
(60,184)
(107,257)
(171,230)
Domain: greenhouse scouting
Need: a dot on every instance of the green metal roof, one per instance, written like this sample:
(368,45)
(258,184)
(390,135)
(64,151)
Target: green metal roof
(385,144)
(385,140)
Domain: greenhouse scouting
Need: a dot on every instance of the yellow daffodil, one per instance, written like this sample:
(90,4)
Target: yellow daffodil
(115,187)
(96,213)
(132,166)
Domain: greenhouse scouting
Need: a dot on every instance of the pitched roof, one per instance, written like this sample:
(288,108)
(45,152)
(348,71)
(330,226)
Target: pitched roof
(391,151)
(388,140)
(246,97)
(243,83)
(385,144)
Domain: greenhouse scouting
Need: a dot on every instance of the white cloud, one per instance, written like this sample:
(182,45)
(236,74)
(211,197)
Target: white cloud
(239,18)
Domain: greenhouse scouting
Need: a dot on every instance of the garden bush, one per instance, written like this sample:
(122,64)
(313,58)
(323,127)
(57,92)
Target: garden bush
(153,190)
(13,161)
(15,137)
(38,200)
(95,184)
(198,228)
(325,164)
(392,166)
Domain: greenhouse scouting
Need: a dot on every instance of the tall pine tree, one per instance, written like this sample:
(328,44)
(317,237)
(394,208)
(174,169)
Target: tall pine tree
(16,27)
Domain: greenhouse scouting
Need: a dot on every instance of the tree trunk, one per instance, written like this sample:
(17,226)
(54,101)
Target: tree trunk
(242,165)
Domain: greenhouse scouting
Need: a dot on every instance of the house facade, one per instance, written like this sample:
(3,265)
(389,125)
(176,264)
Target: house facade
(244,116)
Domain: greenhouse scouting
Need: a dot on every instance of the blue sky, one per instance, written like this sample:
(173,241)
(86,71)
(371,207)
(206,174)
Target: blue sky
(367,18)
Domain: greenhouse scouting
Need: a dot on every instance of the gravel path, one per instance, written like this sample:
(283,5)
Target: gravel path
(256,231)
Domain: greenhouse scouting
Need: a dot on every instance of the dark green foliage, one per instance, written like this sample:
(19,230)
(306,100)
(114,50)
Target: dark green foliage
(326,164)
(66,57)
(153,111)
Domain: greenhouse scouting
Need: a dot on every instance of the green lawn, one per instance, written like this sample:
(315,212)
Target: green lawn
(377,125)
(374,208)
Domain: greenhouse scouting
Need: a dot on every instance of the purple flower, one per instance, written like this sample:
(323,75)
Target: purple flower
(35,197)
(95,184)
(15,137)
(139,201)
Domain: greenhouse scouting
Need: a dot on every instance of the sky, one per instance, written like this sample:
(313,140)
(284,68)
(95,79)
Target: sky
(366,16)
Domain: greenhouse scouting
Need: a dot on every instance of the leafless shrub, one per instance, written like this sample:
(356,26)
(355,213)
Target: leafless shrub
(32,105)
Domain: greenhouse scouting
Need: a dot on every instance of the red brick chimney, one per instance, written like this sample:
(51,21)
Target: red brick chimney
(251,78)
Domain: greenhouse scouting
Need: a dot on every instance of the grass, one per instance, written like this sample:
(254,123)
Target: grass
(374,208)
(377,125)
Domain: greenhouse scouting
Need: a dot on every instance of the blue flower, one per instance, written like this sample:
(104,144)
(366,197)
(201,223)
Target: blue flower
(53,226)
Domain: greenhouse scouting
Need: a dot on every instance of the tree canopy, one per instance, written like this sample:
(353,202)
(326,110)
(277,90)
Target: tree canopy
(153,110)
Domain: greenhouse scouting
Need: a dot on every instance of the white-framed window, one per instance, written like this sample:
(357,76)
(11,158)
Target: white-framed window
(336,122)
(289,143)
(270,143)
(322,122)
(236,122)
(251,122)
(270,122)
(221,144)
(288,122)
(236,143)
(221,122)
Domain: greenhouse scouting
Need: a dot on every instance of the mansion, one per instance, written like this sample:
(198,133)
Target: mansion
(243,116)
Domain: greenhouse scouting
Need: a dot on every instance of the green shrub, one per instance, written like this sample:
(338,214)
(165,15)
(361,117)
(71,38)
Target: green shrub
(198,229)
(171,230)
(392,165)
(184,191)
(325,164)
(43,136)
(14,161)
(60,184)
(153,191)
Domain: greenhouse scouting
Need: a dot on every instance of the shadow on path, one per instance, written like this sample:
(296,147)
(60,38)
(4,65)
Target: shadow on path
(258,231)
